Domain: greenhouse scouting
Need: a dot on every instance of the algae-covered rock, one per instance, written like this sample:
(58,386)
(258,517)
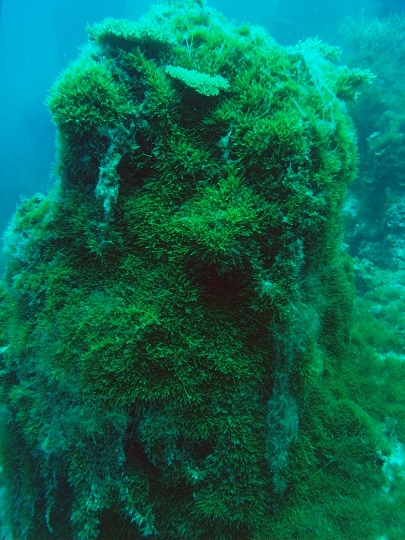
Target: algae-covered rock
(173,303)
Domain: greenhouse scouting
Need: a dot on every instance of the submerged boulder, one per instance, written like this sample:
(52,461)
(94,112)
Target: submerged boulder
(170,305)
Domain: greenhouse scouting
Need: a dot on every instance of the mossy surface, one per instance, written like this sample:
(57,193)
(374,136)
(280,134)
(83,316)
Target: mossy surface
(375,213)
(176,349)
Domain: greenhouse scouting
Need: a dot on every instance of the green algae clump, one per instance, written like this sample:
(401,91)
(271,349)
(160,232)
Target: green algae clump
(174,301)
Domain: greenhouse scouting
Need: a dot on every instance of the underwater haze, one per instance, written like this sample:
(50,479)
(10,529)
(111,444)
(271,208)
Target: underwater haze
(202,293)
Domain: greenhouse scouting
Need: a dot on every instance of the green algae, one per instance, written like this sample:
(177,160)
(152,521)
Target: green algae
(177,313)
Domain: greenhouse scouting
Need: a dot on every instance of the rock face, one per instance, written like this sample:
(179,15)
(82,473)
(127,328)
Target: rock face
(171,305)
(376,219)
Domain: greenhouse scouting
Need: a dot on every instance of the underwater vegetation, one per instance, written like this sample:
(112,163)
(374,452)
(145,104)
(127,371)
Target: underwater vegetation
(179,353)
(376,218)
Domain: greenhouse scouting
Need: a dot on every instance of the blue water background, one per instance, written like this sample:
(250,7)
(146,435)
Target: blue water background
(38,39)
